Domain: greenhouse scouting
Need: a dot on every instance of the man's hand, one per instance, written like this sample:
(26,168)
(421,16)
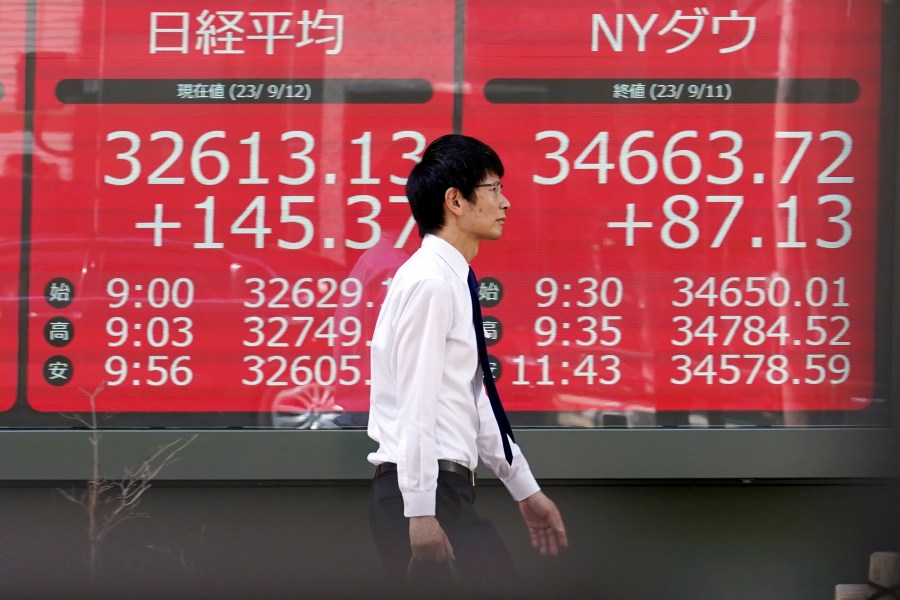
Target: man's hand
(545,524)
(428,541)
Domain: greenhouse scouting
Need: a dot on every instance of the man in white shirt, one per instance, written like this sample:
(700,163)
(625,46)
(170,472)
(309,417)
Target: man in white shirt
(429,411)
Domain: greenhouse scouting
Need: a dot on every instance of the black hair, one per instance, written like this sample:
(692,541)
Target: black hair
(450,161)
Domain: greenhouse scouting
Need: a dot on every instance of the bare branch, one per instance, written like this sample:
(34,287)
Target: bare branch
(110,502)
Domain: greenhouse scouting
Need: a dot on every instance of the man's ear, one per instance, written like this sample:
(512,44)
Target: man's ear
(453,200)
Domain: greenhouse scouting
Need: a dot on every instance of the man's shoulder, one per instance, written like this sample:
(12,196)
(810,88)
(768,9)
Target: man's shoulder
(423,264)
(424,276)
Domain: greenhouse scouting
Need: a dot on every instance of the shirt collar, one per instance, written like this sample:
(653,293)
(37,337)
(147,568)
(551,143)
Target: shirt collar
(448,253)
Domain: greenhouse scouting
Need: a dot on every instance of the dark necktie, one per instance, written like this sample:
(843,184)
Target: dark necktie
(489,386)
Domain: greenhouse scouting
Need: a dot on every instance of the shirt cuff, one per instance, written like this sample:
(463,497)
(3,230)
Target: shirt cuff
(418,504)
(522,486)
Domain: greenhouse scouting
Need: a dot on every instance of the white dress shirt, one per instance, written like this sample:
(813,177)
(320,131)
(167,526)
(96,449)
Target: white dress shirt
(427,396)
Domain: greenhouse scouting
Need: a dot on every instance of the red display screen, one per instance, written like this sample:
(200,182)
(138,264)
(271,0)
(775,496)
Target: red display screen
(215,203)
(694,193)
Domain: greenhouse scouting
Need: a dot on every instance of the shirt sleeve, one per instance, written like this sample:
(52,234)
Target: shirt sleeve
(421,330)
(517,476)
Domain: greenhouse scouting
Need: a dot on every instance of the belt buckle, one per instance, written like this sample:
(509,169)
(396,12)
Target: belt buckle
(469,473)
(452,466)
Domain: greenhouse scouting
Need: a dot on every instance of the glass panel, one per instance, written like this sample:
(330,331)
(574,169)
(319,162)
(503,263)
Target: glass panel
(697,193)
(211,203)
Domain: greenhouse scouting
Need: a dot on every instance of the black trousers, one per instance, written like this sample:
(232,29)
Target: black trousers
(483,564)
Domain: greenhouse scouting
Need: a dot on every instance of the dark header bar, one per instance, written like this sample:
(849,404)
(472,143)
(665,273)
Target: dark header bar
(670,91)
(244,91)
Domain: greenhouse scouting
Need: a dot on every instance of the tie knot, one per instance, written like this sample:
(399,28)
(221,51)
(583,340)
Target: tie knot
(473,282)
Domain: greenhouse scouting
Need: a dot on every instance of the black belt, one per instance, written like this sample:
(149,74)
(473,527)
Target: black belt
(443,465)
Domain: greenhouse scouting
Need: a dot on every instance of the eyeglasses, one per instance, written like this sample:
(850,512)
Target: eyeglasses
(495,187)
